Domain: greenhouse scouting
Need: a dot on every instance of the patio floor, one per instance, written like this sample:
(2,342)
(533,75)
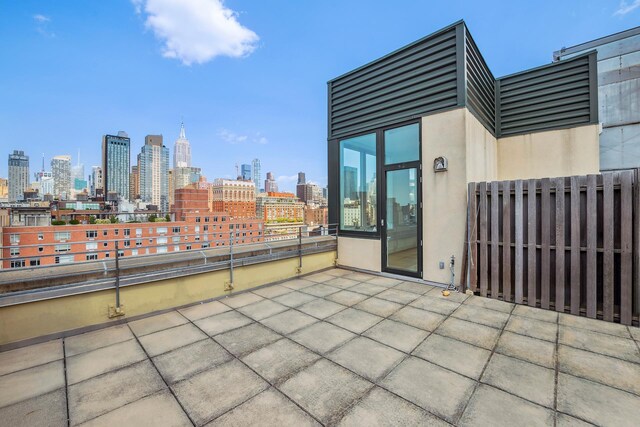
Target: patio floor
(334,348)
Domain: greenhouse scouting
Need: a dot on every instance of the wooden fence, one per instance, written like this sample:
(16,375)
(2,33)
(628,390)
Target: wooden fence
(569,244)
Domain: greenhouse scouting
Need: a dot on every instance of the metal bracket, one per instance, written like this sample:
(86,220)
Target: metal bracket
(228,286)
(116,311)
(298,270)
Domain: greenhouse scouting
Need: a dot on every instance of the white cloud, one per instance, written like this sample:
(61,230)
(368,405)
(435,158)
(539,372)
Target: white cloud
(625,7)
(232,137)
(41,18)
(42,25)
(238,138)
(196,31)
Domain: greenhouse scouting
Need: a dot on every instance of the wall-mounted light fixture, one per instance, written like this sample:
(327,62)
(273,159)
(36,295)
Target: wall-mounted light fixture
(440,164)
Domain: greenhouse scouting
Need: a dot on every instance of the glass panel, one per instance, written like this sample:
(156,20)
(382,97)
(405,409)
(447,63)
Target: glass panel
(402,220)
(402,144)
(358,183)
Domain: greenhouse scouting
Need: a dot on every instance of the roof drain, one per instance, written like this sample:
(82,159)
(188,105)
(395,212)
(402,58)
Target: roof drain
(451,286)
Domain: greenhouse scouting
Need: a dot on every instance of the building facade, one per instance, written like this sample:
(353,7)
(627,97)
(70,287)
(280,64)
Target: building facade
(270,184)
(236,198)
(182,150)
(96,184)
(184,176)
(256,174)
(279,207)
(61,173)
(18,180)
(245,172)
(398,169)
(618,57)
(134,182)
(153,167)
(116,164)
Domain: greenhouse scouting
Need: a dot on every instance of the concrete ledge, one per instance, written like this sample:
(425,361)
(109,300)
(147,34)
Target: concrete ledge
(29,320)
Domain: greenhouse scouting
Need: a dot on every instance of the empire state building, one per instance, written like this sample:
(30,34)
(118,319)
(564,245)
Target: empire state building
(182,151)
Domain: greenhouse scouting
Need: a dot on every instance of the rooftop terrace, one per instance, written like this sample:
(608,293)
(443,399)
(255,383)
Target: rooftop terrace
(333,348)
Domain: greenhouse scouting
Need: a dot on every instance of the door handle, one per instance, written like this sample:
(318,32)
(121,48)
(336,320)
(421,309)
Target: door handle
(382,222)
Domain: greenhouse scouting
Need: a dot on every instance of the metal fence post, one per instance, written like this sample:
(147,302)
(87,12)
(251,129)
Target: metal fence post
(299,270)
(229,285)
(118,310)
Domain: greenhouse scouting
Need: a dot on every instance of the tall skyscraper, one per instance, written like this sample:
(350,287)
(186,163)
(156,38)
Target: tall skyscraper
(350,183)
(257,177)
(61,172)
(134,182)
(182,151)
(18,175)
(270,184)
(153,167)
(245,172)
(300,186)
(96,184)
(116,164)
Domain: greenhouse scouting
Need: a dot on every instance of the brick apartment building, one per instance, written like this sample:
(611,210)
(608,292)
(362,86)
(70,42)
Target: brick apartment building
(235,197)
(195,228)
(279,207)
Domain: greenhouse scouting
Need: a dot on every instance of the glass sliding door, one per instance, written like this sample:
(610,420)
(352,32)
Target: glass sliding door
(402,208)
(402,221)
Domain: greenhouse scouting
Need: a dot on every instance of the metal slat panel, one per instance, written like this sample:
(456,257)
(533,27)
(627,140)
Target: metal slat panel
(549,97)
(412,81)
(480,94)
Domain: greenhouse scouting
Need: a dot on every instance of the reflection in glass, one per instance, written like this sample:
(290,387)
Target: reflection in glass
(402,220)
(402,144)
(358,183)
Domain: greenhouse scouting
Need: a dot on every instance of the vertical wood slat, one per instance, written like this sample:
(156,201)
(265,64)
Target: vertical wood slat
(560,246)
(506,240)
(519,240)
(626,247)
(575,246)
(473,236)
(495,237)
(483,240)
(545,243)
(531,243)
(607,243)
(592,241)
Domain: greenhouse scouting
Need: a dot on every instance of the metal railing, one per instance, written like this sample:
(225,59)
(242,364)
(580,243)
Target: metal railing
(18,285)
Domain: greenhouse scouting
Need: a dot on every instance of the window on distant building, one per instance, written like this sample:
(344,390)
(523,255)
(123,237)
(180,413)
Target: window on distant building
(63,259)
(161,230)
(17,263)
(62,248)
(138,232)
(104,233)
(161,250)
(116,231)
(40,248)
(40,236)
(188,247)
(197,219)
(127,231)
(15,251)
(127,243)
(176,229)
(134,252)
(92,257)
(34,262)
(91,234)
(358,184)
(161,240)
(62,235)
(92,246)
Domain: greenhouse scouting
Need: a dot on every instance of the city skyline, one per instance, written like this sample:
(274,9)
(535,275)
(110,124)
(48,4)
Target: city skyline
(259,95)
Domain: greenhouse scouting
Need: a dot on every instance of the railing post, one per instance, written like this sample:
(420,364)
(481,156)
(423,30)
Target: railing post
(229,285)
(118,310)
(299,269)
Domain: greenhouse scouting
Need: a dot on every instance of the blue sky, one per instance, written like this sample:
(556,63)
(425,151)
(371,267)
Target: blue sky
(248,77)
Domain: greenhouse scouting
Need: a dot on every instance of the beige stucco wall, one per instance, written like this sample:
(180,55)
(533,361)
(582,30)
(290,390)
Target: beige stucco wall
(364,254)
(474,155)
(443,193)
(562,152)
